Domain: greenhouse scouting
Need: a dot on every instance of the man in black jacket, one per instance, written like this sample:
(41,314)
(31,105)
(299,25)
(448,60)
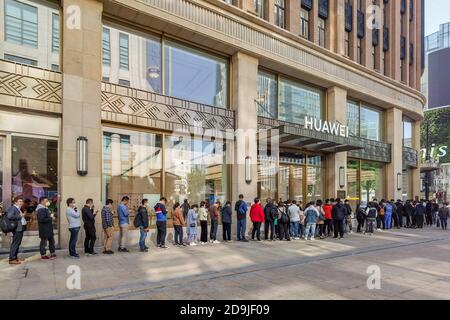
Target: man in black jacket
(400,213)
(88,216)
(348,217)
(14,213)
(408,211)
(420,212)
(339,213)
(45,225)
(141,222)
(270,210)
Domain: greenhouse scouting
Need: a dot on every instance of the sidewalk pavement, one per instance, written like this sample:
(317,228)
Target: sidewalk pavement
(414,264)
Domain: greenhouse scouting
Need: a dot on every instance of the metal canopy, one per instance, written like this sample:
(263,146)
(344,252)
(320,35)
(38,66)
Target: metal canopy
(294,136)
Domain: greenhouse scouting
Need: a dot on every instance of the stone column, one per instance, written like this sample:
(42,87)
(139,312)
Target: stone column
(314,22)
(415,173)
(245,84)
(293,16)
(337,101)
(82,74)
(336,27)
(394,40)
(394,136)
(269,11)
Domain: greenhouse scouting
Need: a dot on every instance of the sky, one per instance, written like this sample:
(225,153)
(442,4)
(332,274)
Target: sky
(436,13)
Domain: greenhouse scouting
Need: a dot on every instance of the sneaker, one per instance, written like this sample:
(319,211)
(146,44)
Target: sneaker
(312,239)
(164,247)
(93,253)
(108,252)
(146,247)
(45,258)
(14,262)
(76,256)
(183,244)
(143,250)
(87,254)
(192,244)
(216,241)
(244,240)
(53,257)
(125,250)
(305,238)
(202,243)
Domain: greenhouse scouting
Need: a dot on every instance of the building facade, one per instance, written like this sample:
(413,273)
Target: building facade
(174,98)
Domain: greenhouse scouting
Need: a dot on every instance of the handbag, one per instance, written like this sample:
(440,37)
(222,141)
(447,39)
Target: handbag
(7,225)
(193,225)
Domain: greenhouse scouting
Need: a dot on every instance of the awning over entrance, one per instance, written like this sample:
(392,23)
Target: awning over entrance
(297,137)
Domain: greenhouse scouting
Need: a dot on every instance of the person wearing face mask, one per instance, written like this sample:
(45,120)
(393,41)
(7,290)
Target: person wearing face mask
(45,226)
(88,216)
(74,221)
(420,213)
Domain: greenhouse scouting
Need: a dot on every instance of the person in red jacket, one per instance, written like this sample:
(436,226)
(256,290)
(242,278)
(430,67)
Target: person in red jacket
(257,217)
(328,217)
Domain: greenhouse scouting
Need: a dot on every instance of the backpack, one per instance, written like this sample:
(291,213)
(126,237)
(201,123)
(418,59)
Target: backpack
(284,217)
(382,212)
(242,208)
(372,213)
(135,222)
(7,225)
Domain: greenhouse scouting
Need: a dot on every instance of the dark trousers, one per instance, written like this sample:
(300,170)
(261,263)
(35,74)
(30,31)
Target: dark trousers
(380,221)
(328,226)
(15,245)
(283,231)
(338,228)
(204,231)
(256,230)
(73,240)
(213,232)
(397,220)
(443,223)
(178,234)
(408,220)
(429,219)
(360,226)
(226,226)
(89,241)
(321,229)
(269,225)
(43,245)
(161,227)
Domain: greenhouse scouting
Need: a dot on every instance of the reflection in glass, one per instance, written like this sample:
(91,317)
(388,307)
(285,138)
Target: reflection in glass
(372,182)
(193,75)
(407,133)
(283,189)
(353,184)
(34,174)
(267,95)
(298,101)
(314,183)
(267,182)
(353,118)
(370,122)
(132,165)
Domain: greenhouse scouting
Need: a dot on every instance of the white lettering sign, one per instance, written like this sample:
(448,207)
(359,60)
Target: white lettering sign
(333,128)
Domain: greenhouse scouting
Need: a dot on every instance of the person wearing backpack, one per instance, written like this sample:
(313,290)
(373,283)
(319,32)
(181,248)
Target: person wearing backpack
(270,210)
(161,223)
(226,221)
(141,222)
(15,215)
(361,216)
(311,216)
(380,213)
(371,214)
(257,217)
(283,222)
(45,225)
(241,212)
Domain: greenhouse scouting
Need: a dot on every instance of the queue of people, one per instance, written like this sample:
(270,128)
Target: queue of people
(282,220)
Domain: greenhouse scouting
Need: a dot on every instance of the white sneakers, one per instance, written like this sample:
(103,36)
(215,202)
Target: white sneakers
(312,239)
(215,241)
(192,244)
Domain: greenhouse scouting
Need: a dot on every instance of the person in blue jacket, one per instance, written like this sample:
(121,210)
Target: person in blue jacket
(388,211)
(161,223)
(123,213)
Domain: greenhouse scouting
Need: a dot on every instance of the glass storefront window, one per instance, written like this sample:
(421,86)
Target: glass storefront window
(370,123)
(132,166)
(315,178)
(353,118)
(372,181)
(267,179)
(406,186)
(194,170)
(407,132)
(297,101)
(267,95)
(34,174)
(353,183)
(193,75)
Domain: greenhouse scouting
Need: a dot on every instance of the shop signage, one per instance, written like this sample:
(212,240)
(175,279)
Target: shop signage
(323,126)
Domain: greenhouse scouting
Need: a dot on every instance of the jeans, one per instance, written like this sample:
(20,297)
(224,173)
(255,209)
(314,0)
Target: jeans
(226,228)
(444,223)
(43,245)
(213,232)
(256,230)
(294,229)
(178,234)
(161,227)
(388,220)
(310,230)
(73,241)
(241,227)
(15,245)
(302,230)
(369,225)
(269,225)
(204,231)
(142,237)
(89,241)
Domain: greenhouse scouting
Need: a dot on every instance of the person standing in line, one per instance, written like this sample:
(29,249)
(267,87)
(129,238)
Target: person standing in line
(124,214)
(203,218)
(45,225)
(283,222)
(14,213)
(371,213)
(257,218)
(141,222)
(294,218)
(361,216)
(400,213)
(74,220)
(420,211)
(339,213)
(270,211)
(348,217)
(108,226)
(241,213)
(178,223)
(429,213)
(388,213)
(161,223)
(302,224)
(311,216)
(408,212)
(327,207)
(320,228)
(88,216)
(226,221)
(443,215)
(380,213)
(214,213)
(192,230)
(185,207)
